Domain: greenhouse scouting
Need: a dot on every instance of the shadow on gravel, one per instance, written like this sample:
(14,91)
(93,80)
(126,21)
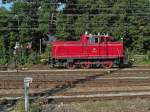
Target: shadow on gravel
(5,104)
(67,85)
(42,96)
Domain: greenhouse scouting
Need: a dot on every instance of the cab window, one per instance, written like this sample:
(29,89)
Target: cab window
(101,40)
(108,39)
(94,40)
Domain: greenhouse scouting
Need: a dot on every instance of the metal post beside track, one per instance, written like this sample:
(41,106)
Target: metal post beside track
(27,82)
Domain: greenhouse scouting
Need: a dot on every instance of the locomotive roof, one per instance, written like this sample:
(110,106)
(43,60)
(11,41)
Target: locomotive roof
(97,35)
(90,35)
(100,35)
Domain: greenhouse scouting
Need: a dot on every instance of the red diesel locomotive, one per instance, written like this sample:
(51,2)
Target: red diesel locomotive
(90,51)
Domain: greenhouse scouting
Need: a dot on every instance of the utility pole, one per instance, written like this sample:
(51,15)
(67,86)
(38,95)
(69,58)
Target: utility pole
(52,22)
(27,82)
(18,42)
(52,18)
(40,46)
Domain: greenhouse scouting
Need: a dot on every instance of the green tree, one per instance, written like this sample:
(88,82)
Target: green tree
(33,19)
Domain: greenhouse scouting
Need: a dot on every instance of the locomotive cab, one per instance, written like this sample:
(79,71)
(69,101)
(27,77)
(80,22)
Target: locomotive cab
(95,39)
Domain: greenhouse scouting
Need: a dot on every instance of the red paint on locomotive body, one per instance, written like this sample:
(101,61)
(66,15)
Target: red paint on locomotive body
(90,47)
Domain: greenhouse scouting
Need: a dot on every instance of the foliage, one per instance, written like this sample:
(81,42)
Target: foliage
(142,59)
(35,108)
(120,18)
(33,58)
(3,61)
(19,107)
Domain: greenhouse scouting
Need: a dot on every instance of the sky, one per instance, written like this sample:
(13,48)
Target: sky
(61,6)
(7,6)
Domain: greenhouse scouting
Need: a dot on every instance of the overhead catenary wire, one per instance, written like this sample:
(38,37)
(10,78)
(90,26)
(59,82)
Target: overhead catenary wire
(84,7)
(88,8)
(81,4)
(129,14)
(71,28)
(66,21)
(132,7)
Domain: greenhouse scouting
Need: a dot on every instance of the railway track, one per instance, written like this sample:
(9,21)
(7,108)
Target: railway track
(119,84)
(78,85)
(58,78)
(42,79)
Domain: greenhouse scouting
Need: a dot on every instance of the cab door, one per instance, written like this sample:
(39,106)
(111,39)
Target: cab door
(93,47)
(103,47)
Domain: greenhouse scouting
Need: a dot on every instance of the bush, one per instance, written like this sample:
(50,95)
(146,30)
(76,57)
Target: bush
(142,59)
(33,58)
(19,107)
(34,108)
(148,54)
(3,61)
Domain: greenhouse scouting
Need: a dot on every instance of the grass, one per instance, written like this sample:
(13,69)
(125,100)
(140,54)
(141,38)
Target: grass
(140,59)
(129,105)
(136,105)
(19,107)
(142,62)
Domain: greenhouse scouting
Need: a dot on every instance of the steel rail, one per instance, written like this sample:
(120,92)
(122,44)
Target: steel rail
(118,94)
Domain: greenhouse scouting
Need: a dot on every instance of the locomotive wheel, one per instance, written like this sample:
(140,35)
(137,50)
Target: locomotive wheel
(85,65)
(107,64)
(71,66)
